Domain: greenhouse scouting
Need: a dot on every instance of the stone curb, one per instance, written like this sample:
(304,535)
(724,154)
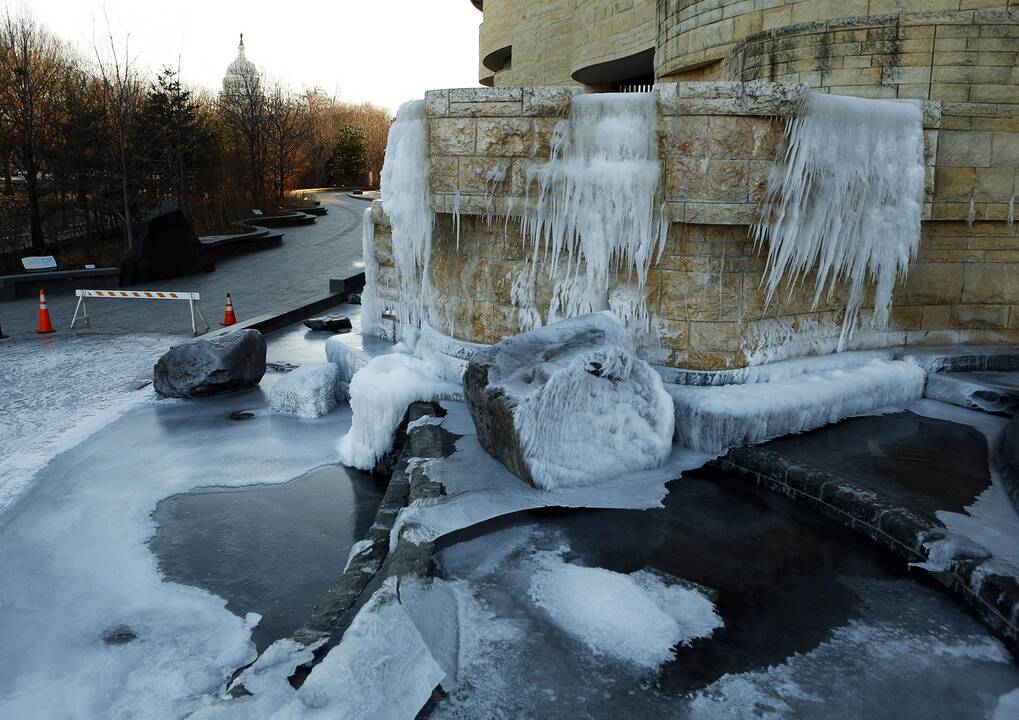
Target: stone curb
(993,596)
(368,569)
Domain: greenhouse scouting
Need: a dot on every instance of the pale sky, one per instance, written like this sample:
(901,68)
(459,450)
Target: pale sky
(383,51)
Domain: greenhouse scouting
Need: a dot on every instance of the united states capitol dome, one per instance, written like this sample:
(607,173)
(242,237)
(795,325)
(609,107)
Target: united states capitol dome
(240,73)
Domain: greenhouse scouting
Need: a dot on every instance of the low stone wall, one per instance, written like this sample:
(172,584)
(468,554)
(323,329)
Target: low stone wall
(993,595)
(717,144)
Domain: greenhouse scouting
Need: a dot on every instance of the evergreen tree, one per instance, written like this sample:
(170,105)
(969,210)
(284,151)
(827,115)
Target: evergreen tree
(347,163)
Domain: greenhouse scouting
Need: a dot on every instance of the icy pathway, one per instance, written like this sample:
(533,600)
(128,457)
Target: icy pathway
(74,562)
(56,391)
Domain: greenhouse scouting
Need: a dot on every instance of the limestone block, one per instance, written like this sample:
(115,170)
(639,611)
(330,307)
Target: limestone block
(541,140)
(484,109)
(686,136)
(505,137)
(452,136)
(443,173)
(936,316)
(730,137)
(719,97)
(478,174)
(485,95)
(992,283)
(954,184)
(437,103)
(548,101)
(935,284)
(993,184)
(1005,149)
(980,316)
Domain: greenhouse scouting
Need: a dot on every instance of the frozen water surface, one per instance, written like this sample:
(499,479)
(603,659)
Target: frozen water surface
(89,627)
(817,623)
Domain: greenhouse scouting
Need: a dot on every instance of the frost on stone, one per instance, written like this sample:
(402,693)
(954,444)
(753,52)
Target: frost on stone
(595,206)
(636,618)
(309,391)
(570,404)
(714,419)
(380,394)
(407,202)
(848,204)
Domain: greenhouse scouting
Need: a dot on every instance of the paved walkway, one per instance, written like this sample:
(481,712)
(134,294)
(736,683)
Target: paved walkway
(260,283)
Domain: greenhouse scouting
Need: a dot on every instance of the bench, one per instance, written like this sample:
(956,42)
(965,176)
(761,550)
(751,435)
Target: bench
(24,285)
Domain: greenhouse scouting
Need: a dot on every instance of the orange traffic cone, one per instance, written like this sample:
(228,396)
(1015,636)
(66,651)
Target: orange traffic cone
(45,324)
(228,317)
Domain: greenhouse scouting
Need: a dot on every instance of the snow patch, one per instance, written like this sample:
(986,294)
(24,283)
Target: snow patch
(713,419)
(636,618)
(310,391)
(849,202)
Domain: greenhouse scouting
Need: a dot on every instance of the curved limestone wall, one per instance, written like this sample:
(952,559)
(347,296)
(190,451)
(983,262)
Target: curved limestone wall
(705,297)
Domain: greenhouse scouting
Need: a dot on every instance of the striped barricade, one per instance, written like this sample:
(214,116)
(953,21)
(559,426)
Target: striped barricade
(191,298)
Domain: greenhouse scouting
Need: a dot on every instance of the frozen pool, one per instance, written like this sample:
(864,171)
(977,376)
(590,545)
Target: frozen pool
(269,549)
(817,623)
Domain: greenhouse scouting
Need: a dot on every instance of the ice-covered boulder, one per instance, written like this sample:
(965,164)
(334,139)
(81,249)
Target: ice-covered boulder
(205,366)
(569,404)
(311,391)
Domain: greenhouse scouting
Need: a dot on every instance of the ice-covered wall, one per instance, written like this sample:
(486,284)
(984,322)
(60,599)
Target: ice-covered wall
(706,297)
(846,203)
(595,206)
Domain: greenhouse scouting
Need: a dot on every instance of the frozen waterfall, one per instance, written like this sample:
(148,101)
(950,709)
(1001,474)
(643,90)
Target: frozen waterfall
(407,201)
(597,207)
(848,203)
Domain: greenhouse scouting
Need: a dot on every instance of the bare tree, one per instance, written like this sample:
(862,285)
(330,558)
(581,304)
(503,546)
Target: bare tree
(122,90)
(289,130)
(245,110)
(31,64)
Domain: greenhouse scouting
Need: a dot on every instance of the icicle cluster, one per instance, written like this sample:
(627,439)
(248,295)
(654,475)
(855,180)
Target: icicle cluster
(371,307)
(849,202)
(597,206)
(406,198)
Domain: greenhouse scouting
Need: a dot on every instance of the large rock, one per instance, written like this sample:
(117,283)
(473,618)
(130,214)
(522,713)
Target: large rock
(329,323)
(165,247)
(569,404)
(1008,460)
(206,366)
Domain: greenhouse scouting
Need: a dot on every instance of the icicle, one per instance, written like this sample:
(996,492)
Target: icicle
(597,204)
(1011,211)
(456,218)
(407,202)
(971,214)
(492,181)
(371,311)
(849,202)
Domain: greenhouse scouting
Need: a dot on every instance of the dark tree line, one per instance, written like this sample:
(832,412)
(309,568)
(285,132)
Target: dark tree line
(89,144)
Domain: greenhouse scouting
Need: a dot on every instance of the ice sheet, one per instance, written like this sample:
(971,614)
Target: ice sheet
(713,419)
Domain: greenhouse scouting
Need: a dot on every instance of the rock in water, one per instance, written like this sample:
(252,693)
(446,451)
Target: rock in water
(165,247)
(205,366)
(309,391)
(569,404)
(330,323)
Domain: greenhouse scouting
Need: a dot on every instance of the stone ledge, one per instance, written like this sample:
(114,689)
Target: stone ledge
(993,596)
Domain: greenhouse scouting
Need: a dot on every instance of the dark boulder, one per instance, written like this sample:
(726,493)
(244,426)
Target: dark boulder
(165,247)
(329,323)
(206,366)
